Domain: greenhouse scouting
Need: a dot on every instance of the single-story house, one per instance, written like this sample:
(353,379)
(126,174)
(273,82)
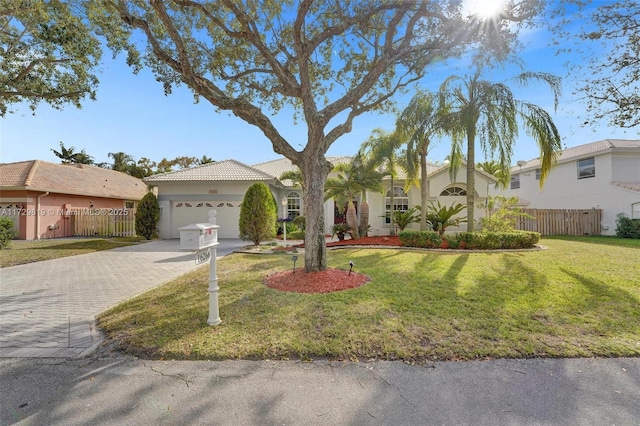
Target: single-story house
(186,196)
(39,196)
(602,175)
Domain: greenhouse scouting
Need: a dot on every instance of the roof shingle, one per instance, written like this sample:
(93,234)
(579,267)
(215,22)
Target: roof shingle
(227,170)
(73,179)
(587,150)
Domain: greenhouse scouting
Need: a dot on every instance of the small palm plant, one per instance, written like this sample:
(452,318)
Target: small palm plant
(441,217)
(402,219)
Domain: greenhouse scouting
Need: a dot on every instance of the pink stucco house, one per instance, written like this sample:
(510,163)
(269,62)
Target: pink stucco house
(39,195)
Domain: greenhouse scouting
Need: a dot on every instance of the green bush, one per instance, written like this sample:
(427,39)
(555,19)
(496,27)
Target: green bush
(147,216)
(295,235)
(502,214)
(258,214)
(423,239)
(470,240)
(7,232)
(627,227)
(300,222)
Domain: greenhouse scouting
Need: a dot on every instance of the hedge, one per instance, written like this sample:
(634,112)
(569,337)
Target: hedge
(470,240)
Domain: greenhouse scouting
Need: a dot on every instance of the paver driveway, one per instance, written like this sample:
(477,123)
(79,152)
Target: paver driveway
(47,308)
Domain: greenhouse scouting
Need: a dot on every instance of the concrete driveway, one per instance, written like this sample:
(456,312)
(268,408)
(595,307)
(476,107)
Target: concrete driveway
(48,308)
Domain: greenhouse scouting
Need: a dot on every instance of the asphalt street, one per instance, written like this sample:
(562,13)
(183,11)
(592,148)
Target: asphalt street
(112,389)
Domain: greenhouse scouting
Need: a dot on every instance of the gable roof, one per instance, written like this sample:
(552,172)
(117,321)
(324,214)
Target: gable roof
(462,168)
(71,179)
(227,170)
(277,167)
(589,149)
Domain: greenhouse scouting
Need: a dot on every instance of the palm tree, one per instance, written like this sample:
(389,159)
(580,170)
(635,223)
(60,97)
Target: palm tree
(368,177)
(418,123)
(489,111)
(205,160)
(66,155)
(493,168)
(343,190)
(382,149)
(354,179)
(121,161)
(294,176)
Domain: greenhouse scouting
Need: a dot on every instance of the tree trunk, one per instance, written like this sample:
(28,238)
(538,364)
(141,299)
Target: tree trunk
(424,189)
(471,178)
(315,171)
(392,210)
(364,215)
(352,219)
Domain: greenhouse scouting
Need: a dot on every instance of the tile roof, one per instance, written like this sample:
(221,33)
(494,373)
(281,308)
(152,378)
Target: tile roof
(227,170)
(73,179)
(588,149)
(631,186)
(277,167)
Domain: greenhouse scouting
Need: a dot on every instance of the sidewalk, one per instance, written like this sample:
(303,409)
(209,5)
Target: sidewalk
(48,307)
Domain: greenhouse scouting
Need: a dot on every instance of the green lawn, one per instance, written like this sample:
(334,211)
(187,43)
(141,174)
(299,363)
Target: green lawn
(600,239)
(20,252)
(575,299)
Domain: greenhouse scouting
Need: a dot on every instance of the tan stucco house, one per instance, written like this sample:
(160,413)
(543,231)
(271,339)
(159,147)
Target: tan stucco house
(186,196)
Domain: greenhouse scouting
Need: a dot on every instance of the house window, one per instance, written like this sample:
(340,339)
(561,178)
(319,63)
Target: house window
(635,211)
(515,181)
(586,168)
(453,191)
(400,202)
(538,174)
(129,205)
(293,205)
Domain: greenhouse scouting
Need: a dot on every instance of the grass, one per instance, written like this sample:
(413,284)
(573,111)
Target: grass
(21,252)
(600,239)
(575,299)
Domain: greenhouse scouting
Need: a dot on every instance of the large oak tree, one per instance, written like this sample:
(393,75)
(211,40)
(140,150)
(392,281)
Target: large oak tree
(48,54)
(328,61)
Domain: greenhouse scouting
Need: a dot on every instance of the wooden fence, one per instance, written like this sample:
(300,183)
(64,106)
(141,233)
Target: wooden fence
(103,222)
(561,221)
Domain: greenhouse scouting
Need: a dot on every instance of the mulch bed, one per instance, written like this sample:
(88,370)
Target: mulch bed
(315,282)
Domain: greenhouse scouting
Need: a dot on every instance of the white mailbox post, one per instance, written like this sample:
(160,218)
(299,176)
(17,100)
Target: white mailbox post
(203,239)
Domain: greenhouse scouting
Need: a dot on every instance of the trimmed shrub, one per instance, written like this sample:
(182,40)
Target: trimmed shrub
(258,214)
(471,240)
(7,232)
(147,216)
(295,235)
(627,227)
(423,239)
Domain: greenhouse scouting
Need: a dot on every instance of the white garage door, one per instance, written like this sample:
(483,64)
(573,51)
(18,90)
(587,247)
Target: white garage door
(188,212)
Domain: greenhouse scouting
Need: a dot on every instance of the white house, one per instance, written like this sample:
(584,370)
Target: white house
(185,196)
(603,175)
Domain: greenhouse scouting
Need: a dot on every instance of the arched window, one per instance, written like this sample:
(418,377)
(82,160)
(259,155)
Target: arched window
(400,202)
(293,205)
(453,191)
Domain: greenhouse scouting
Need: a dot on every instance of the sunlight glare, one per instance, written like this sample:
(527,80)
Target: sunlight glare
(484,8)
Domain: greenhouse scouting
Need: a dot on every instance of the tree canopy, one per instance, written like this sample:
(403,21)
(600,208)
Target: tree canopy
(47,54)
(609,82)
(327,61)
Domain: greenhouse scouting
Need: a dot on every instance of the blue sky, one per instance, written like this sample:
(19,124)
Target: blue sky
(133,115)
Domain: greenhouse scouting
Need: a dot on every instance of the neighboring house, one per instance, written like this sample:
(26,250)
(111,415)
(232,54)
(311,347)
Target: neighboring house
(603,175)
(39,196)
(186,196)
